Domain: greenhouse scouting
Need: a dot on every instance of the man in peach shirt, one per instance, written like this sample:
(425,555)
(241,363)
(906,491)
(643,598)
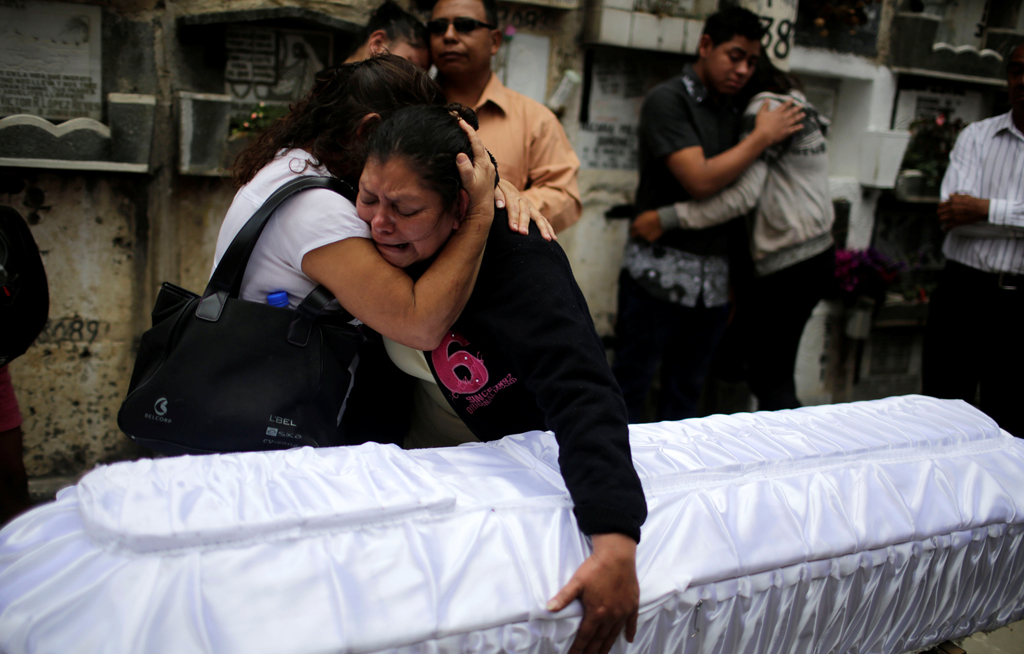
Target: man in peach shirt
(525,138)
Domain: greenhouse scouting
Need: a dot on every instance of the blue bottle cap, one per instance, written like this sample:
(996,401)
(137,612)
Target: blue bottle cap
(277,299)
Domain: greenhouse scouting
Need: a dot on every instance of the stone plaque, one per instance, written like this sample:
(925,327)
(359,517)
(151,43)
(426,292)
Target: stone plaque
(50,59)
(250,55)
(524,67)
(608,140)
(275,65)
(912,105)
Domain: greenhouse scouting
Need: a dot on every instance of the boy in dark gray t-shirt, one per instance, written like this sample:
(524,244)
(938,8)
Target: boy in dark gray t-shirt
(673,291)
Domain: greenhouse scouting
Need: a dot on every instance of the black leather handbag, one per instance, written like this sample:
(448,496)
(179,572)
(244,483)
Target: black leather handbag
(220,374)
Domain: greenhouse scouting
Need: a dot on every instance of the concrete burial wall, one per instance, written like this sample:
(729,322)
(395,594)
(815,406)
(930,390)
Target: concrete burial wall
(92,233)
(109,238)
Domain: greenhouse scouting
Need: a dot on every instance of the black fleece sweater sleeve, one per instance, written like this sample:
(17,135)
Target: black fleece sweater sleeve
(532,307)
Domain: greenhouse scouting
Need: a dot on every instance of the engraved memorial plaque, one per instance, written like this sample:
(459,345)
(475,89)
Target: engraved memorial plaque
(273,65)
(50,62)
(250,54)
(608,139)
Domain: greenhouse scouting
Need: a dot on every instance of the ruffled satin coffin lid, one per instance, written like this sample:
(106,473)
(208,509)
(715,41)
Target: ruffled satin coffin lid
(877,526)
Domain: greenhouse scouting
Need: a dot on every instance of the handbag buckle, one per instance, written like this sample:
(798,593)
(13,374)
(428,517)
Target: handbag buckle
(299,330)
(211,306)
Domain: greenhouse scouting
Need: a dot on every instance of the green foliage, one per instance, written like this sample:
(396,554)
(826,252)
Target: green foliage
(931,141)
(258,119)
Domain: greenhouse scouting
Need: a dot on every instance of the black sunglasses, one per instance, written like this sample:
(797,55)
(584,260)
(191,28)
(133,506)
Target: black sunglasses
(464,25)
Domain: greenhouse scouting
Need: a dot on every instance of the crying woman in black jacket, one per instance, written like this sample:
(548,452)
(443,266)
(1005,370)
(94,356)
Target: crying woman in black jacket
(523,355)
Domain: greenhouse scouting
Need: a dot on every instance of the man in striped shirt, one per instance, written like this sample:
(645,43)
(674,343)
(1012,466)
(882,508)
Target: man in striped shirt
(977,313)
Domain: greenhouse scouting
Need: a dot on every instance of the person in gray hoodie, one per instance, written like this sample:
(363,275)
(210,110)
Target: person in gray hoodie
(785,196)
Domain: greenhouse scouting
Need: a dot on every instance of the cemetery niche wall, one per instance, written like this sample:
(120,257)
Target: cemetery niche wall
(56,110)
(241,69)
(965,41)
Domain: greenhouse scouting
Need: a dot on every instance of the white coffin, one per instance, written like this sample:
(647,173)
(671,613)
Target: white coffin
(880,526)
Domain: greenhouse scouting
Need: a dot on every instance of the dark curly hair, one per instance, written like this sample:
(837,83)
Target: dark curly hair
(429,138)
(325,122)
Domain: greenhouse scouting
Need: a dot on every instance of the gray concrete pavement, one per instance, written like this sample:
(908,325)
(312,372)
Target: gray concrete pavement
(1008,640)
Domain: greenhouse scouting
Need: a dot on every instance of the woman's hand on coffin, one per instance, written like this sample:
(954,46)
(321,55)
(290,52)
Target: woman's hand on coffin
(521,211)
(607,585)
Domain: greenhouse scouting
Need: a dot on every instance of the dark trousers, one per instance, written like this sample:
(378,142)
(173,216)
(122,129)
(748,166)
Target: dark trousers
(651,331)
(974,338)
(771,319)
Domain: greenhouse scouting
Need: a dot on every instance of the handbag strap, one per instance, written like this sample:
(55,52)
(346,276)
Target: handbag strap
(226,280)
(308,311)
